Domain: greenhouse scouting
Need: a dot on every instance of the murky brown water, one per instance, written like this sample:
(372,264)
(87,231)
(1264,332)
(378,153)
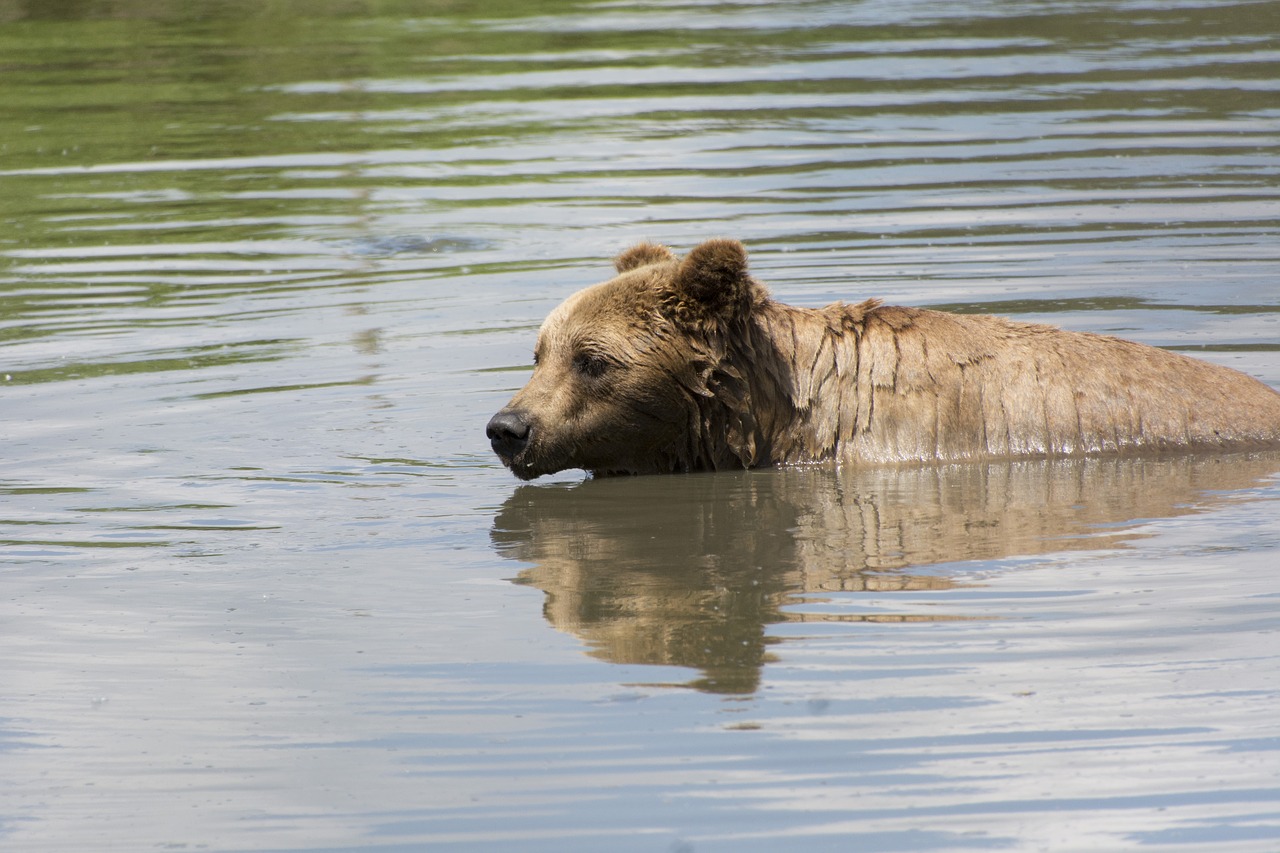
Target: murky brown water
(268,269)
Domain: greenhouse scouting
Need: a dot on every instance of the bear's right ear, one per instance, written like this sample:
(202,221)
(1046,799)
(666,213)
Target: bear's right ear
(642,255)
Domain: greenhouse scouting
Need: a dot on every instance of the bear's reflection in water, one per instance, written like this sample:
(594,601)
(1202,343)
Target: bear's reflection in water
(688,570)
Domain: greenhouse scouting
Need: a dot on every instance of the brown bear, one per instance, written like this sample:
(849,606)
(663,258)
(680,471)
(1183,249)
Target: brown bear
(686,365)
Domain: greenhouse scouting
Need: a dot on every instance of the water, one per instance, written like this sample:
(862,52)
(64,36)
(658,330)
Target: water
(268,269)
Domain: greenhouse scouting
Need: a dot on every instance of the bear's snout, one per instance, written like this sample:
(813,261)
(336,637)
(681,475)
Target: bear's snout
(508,433)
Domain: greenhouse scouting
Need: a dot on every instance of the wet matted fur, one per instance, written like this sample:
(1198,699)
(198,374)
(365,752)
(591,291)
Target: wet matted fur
(688,364)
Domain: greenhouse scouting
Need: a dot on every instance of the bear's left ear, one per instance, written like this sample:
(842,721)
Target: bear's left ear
(714,277)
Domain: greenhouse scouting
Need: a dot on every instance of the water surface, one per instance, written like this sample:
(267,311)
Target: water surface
(267,269)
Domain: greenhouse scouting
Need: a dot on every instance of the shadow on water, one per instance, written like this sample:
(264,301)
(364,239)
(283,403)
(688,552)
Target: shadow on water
(689,571)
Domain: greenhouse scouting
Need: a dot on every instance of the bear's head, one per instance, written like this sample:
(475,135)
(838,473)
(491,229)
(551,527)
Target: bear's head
(632,375)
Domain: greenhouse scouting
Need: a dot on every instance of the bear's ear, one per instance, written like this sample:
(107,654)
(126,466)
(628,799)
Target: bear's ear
(714,277)
(642,255)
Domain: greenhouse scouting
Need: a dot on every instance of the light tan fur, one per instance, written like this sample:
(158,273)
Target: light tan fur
(690,365)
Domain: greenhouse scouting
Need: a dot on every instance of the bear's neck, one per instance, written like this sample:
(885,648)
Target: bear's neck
(799,365)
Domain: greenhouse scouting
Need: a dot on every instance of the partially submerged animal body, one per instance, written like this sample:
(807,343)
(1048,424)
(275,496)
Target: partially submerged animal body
(683,365)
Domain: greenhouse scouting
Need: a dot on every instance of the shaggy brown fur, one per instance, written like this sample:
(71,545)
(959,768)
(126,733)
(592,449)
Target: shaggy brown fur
(689,365)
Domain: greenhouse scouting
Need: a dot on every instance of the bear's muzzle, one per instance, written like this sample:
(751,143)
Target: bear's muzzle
(508,433)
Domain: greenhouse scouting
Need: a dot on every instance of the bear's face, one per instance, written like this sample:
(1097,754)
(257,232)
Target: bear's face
(619,368)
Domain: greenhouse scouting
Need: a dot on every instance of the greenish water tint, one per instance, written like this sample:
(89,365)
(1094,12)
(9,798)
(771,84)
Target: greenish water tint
(266,269)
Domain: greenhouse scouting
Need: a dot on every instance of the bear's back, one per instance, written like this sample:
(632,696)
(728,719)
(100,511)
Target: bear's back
(932,385)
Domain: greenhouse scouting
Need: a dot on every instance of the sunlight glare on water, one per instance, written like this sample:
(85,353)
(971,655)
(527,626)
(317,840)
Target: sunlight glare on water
(267,270)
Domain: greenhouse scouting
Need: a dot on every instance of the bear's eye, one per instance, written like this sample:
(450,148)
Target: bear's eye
(590,364)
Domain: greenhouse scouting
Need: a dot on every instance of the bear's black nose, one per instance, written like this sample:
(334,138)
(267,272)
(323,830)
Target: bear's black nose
(508,433)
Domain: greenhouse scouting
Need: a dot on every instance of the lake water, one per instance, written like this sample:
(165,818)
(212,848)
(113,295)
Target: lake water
(266,270)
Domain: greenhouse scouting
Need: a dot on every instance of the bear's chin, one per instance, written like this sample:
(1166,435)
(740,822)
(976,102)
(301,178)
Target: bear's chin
(538,460)
(530,469)
(527,470)
(527,466)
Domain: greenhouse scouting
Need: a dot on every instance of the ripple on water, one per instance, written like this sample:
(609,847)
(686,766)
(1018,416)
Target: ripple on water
(266,275)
